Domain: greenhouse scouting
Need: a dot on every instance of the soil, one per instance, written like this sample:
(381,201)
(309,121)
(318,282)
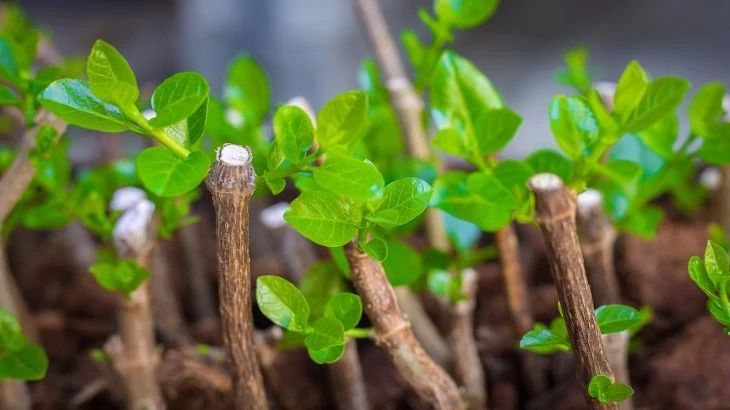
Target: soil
(681,360)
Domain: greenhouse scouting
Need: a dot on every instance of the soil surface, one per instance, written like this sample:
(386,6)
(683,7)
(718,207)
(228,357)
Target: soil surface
(680,361)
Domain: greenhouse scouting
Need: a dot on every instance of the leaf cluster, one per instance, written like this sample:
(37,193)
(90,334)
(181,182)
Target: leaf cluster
(107,102)
(324,330)
(610,318)
(605,390)
(712,276)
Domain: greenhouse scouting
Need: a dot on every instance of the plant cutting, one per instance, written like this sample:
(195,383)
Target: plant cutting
(107,103)
(333,213)
(555,212)
(712,275)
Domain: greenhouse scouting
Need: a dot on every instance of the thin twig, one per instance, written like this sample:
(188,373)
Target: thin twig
(138,361)
(556,208)
(231,183)
(394,335)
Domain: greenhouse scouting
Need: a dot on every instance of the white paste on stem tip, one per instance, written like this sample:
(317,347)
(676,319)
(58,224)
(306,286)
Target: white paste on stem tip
(546,181)
(235,155)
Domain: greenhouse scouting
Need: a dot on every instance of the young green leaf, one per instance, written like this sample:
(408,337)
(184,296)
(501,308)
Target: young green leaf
(616,318)
(110,76)
(489,188)
(188,131)
(165,174)
(547,160)
(452,195)
(122,276)
(343,119)
(375,246)
(465,13)
(662,97)
(27,363)
(345,307)
(402,201)
(598,384)
(349,177)
(282,303)
(73,102)
(294,132)
(322,281)
(7,96)
(576,73)
(403,264)
(247,89)
(325,344)
(574,125)
(717,263)
(177,98)
(630,89)
(322,217)
(699,276)
(495,128)
(544,341)
(8,66)
(11,334)
(607,391)
(706,108)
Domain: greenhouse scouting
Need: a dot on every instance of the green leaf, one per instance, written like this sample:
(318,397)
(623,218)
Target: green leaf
(574,125)
(440,282)
(662,97)
(294,132)
(547,160)
(617,318)
(460,94)
(449,141)
(403,264)
(375,246)
(706,108)
(326,332)
(165,174)
(73,102)
(247,89)
(349,177)
(630,89)
(699,276)
(110,76)
(28,363)
(616,392)
(643,222)
(282,303)
(544,341)
(576,73)
(622,171)
(7,96)
(322,217)
(489,188)
(598,384)
(177,98)
(495,128)
(717,263)
(121,276)
(8,66)
(327,355)
(321,281)
(343,119)
(465,13)
(452,195)
(402,201)
(188,131)
(11,334)
(345,307)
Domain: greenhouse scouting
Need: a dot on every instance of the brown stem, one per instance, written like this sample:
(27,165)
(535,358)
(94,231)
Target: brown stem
(137,363)
(597,238)
(461,338)
(166,307)
(518,303)
(347,380)
(394,335)
(555,207)
(200,290)
(405,100)
(231,184)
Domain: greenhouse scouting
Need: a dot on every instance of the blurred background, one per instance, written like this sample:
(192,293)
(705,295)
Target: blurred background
(314,48)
